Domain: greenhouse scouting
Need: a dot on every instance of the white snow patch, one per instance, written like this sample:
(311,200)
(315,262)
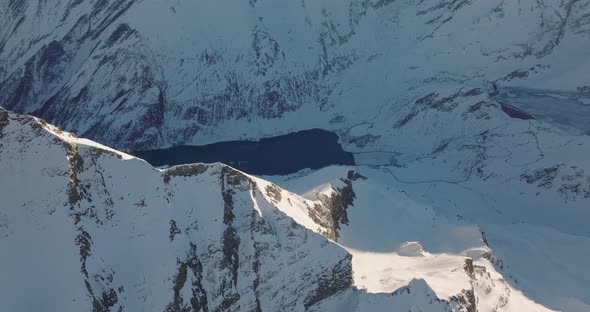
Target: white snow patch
(410,249)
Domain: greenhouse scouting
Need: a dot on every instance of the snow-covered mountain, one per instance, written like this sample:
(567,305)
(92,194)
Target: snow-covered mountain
(147,74)
(103,231)
(455,203)
(87,227)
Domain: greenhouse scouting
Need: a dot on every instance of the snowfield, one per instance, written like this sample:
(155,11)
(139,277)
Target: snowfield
(115,232)
(211,71)
(453,204)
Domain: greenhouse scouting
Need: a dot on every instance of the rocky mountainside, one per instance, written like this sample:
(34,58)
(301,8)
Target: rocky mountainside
(220,70)
(100,230)
(457,201)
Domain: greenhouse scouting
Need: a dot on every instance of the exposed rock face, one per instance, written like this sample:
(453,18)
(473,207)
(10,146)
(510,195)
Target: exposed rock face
(571,182)
(3,119)
(189,238)
(409,86)
(329,211)
(103,70)
(338,280)
(120,235)
(334,205)
(542,177)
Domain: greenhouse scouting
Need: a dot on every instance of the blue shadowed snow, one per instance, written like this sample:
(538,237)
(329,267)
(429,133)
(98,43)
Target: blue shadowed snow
(567,110)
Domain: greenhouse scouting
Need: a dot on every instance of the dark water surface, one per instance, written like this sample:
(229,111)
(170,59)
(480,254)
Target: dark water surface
(515,112)
(278,155)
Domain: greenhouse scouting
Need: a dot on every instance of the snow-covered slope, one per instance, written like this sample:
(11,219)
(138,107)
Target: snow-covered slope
(147,74)
(398,231)
(87,227)
(414,89)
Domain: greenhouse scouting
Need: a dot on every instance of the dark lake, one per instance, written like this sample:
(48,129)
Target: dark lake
(278,155)
(515,112)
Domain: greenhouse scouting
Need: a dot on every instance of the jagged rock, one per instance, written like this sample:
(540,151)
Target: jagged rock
(207,268)
(97,59)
